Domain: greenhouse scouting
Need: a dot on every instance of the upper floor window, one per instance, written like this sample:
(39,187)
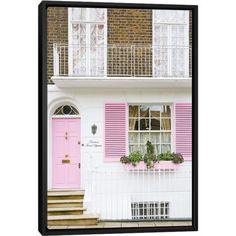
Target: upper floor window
(170,43)
(87,40)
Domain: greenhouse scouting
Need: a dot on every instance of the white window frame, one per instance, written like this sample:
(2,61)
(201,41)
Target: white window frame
(150,206)
(186,34)
(171,131)
(87,22)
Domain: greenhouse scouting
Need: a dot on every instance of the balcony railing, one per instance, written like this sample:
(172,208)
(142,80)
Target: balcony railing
(121,61)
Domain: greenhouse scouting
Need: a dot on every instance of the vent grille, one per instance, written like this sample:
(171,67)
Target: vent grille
(150,210)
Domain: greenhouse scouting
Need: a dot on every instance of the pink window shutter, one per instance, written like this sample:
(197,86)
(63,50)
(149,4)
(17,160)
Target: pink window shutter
(183,129)
(115,131)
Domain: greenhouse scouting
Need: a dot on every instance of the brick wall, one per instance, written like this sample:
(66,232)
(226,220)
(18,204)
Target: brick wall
(57,18)
(125,27)
(129,27)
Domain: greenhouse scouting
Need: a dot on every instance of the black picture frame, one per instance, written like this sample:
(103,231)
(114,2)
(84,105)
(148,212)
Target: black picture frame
(42,118)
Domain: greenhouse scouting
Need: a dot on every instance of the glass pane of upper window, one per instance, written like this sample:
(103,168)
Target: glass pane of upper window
(177,35)
(79,14)
(161,35)
(160,61)
(88,30)
(97,14)
(170,43)
(170,16)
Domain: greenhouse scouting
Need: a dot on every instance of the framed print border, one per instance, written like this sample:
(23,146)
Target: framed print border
(43,116)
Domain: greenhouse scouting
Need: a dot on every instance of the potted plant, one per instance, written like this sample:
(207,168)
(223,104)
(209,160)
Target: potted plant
(166,160)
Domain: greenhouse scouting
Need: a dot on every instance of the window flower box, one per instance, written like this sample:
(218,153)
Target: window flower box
(162,165)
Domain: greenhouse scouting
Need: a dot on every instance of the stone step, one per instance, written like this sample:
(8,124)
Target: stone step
(67,220)
(65,195)
(66,211)
(65,203)
(64,190)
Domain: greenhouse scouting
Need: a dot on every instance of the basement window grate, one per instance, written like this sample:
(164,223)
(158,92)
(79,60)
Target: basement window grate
(150,210)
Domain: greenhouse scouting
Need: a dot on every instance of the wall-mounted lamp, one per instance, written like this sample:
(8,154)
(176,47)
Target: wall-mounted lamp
(94,129)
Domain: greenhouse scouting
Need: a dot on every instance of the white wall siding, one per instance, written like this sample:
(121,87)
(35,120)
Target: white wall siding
(110,188)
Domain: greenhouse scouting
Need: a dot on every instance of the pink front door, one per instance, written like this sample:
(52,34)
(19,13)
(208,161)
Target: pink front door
(66,152)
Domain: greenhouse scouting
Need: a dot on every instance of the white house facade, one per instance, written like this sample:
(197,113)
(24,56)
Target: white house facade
(109,100)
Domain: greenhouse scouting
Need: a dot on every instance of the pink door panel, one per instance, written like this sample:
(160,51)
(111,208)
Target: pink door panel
(66,147)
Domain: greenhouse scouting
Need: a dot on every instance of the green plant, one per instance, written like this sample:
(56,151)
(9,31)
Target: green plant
(165,156)
(150,158)
(124,159)
(178,158)
(149,147)
(135,157)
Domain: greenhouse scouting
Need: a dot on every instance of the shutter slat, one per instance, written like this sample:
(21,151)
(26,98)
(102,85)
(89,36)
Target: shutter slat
(183,129)
(115,131)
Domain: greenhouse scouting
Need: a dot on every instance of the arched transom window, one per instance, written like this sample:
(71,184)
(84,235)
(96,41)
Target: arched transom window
(66,110)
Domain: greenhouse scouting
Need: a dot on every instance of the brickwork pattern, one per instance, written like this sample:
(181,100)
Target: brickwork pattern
(57,32)
(126,27)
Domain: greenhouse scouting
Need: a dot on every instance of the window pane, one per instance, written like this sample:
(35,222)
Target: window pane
(166,124)
(144,137)
(170,16)
(155,124)
(160,62)
(155,111)
(144,111)
(97,14)
(155,137)
(157,148)
(133,148)
(165,111)
(160,37)
(133,111)
(165,147)
(133,138)
(133,124)
(166,137)
(78,13)
(144,124)
(142,149)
